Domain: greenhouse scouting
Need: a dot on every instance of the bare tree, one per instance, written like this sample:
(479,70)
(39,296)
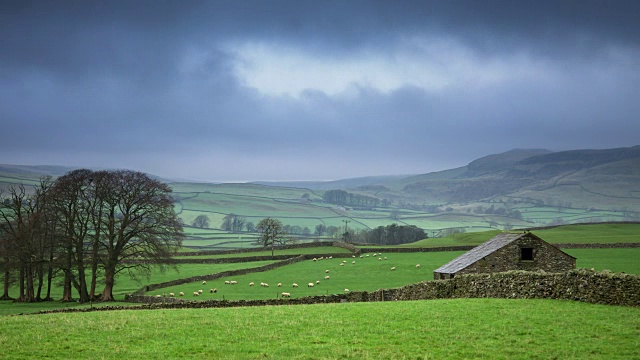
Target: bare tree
(141,228)
(271,232)
(201,221)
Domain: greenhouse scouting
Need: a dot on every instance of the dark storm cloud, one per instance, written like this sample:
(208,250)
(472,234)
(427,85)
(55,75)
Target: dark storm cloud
(156,85)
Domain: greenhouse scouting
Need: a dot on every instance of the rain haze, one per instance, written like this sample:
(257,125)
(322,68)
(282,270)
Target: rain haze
(312,90)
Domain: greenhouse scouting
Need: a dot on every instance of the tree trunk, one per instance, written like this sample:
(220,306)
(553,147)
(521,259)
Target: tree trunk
(109,280)
(66,287)
(21,296)
(30,293)
(5,293)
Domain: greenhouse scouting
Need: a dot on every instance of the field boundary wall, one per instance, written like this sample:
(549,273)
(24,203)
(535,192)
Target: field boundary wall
(578,285)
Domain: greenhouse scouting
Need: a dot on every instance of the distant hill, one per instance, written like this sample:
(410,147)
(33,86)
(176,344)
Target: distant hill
(334,184)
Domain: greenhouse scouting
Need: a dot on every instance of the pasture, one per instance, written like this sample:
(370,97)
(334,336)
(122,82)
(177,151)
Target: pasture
(367,274)
(432,329)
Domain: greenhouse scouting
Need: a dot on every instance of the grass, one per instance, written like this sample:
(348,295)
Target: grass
(436,329)
(617,260)
(367,274)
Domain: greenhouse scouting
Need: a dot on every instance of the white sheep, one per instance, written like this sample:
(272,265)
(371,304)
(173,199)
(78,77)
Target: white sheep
(385,258)
(379,259)
(211,291)
(204,282)
(341,264)
(327,277)
(346,290)
(353,262)
(310,284)
(158,296)
(314,259)
(294,285)
(251,284)
(227,282)
(233,282)
(215,290)
(286,295)
(317,282)
(279,284)
(374,254)
(181,293)
(417,266)
(326,271)
(172,295)
(266,285)
(195,293)
(393,268)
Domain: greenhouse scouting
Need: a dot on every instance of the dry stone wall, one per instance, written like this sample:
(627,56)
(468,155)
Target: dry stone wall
(578,285)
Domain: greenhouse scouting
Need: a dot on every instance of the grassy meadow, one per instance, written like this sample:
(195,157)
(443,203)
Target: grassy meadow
(432,329)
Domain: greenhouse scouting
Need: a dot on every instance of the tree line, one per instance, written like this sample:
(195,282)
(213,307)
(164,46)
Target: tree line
(393,234)
(341,197)
(82,230)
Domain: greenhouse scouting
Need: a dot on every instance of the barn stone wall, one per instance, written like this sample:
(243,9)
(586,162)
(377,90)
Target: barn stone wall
(546,257)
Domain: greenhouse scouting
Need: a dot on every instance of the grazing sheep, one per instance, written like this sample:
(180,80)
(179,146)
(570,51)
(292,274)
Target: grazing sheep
(200,291)
(385,258)
(346,290)
(204,282)
(215,290)
(279,284)
(361,256)
(418,266)
(286,295)
(266,285)
(295,285)
(353,256)
(380,259)
(233,282)
(181,293)
(172,295)
(195,293)
(158,296)
(341,264)
(330,257)
(326,271)
(393,268)
(251,284)
(367,255)
(227,282)
(374,254)
(310,284)
(353,262)
(327,277)
(317,282)
(314,259)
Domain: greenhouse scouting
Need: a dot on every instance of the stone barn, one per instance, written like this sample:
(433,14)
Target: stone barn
(508,252)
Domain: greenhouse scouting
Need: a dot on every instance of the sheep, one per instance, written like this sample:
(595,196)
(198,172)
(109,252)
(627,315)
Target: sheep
(286,295)
(367,255)
(330,257)
(317,282)
(361,256)
(251,284)
(158,296)
(385,258)
(181,293)
(294,285)
(327,277)
(310,284)
(279,284)
(353,262)
(215,290)
(266,285)
(200,291)
(417,266)
(314,259)
(211,291)
(393,268)
(346,290)
(374,254)
(341,264)
(379,259)
(204,282)
(353,256)
(172,295)
(227,282)
(195,293)
(233,282)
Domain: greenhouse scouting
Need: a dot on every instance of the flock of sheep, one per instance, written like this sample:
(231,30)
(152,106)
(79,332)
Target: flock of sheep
(294,285)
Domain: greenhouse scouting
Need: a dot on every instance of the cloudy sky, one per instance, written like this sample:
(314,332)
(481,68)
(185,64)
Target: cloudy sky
(312,90)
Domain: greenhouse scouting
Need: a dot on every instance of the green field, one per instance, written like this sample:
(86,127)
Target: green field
(576,234)
(434,329)
(368,273)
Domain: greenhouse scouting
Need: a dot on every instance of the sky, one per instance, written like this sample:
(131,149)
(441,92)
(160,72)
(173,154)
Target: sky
(227,91)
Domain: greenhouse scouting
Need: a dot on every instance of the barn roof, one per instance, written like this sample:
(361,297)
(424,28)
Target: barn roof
(478,253)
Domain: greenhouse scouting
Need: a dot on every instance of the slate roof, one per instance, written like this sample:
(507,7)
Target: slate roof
(478,253)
